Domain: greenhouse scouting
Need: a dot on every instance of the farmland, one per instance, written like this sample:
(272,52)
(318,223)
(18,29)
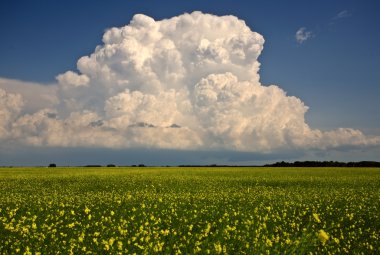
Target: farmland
(189,210)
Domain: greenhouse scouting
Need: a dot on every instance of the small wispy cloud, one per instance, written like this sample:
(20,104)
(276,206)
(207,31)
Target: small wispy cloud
(303,35)
(343,14)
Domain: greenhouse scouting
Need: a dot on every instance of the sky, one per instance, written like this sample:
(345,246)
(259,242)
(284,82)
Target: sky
(188,82)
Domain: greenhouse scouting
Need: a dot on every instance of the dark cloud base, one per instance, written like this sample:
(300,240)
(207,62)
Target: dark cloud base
(150,157)
(36,156)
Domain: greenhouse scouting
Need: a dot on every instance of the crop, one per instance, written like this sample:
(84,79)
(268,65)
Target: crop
(189,210)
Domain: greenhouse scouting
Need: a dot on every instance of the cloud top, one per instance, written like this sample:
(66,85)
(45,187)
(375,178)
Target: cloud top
(188,82)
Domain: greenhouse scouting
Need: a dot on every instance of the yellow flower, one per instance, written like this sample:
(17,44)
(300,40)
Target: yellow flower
(165,232)
(316,217)
(218,248)
(119,245)
(323,236)
(86,210)
(81,238)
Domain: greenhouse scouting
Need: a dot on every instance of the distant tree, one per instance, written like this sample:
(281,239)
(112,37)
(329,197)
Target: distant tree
(52,165)
(111,165)
(141,165)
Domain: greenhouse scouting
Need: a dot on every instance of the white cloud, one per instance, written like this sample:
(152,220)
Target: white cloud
(10,107)
(73,79)
(189,82)
(303,35)
(342,14)
(35,96)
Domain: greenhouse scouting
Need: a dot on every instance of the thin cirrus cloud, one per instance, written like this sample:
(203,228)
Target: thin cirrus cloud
(341,15)
(302,35)
(189,82)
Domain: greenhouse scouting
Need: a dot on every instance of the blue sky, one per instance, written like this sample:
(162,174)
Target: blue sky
(334,71)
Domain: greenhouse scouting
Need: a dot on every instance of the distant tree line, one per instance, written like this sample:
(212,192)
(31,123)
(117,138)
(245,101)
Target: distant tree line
(302,164)
(325,164)
(109,165)
(277,164)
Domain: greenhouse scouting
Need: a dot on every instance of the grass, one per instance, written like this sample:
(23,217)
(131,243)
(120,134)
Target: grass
(189,210)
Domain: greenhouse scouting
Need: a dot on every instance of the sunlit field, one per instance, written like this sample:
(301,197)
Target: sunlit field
(190,210)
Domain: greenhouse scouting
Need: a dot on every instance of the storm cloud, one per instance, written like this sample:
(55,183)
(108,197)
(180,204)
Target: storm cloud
(189,82)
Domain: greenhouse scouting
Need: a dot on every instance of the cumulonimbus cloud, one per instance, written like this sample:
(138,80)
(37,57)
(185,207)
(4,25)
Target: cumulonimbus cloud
(188,82)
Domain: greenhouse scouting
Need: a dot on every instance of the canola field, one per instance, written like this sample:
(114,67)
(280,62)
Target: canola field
(189,210)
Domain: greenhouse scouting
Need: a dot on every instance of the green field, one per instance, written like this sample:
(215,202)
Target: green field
(189,210)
